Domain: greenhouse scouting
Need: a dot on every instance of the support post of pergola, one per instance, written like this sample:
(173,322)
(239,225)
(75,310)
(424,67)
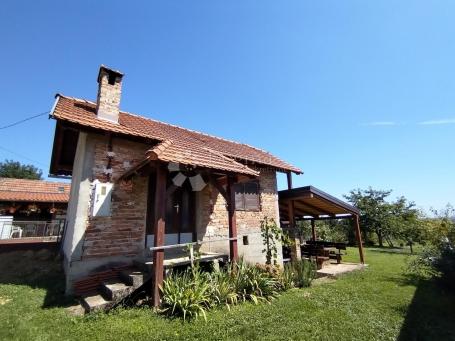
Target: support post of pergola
(313,230)
(232,221)
(159,227)
(289,178)
(358,237)
(296,253)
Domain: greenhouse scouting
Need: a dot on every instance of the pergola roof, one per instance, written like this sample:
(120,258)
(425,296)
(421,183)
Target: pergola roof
(33,190)
(312,203)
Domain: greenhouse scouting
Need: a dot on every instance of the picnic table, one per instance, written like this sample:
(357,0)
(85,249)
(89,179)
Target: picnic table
(323,251)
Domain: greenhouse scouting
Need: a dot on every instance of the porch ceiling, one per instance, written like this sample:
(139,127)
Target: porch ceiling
(310,202)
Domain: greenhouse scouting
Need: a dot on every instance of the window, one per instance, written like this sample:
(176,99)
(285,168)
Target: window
(247,196)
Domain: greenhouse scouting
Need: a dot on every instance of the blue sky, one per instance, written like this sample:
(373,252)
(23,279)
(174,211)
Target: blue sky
(356,93)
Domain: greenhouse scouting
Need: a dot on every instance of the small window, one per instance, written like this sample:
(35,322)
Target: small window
(61,189)
(247,196)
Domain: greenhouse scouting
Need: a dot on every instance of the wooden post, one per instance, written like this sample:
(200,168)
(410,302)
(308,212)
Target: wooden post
(160,222)
(289,176)
(313,231)
(358,236)
(296,253)
(233,248)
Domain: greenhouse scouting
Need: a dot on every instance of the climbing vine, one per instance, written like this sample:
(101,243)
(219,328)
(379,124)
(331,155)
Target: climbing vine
(270,233)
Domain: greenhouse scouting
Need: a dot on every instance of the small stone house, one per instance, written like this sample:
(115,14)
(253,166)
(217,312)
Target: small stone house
(143,188)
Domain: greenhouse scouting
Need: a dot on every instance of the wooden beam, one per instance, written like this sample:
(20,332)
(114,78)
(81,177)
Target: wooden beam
(325,218)
(233,247)
(289,177)
(358,236)
(219,187)
(160,222)
(313,230)
(296,253)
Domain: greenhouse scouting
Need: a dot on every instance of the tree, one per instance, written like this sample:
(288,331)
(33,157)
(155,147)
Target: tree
(407,222)
(14,169)
(374,211)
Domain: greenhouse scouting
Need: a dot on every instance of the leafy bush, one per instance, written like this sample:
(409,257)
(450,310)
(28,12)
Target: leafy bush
(252,283)
(191,293)
(302,273)
(186,294)
(438,257)
(222,288)
(287,278)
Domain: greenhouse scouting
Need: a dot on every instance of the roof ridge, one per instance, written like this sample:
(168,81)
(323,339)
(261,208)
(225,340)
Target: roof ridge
(198,134)
(173,125)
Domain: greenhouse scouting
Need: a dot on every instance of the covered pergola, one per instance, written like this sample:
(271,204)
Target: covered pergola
(310,203)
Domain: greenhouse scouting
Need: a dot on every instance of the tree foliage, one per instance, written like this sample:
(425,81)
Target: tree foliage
(14,169)
(388,220)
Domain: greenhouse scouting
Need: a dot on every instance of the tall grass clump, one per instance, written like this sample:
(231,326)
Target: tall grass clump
(299,273)
(252,283)
(186,294)
(189,294)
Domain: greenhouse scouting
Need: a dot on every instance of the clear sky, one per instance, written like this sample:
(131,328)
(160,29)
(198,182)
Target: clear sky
(355,93)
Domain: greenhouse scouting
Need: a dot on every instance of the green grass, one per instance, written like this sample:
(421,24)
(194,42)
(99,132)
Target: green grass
(379,303)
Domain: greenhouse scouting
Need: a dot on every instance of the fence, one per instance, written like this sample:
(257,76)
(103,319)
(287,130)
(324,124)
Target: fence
(32,229)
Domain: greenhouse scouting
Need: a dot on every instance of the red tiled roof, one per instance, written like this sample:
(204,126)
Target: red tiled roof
(33,190)
(206,150)
(170,152)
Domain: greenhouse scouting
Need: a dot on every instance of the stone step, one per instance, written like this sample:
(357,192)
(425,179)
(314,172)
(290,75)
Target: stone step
(115,290)
(134,277)
(94,303)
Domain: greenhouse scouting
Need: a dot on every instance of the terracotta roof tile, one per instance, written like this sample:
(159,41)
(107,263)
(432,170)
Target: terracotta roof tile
(84,113)
(33,190)
(195,156)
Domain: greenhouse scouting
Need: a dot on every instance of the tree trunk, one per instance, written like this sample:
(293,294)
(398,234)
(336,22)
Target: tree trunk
(410,247)
(380,242)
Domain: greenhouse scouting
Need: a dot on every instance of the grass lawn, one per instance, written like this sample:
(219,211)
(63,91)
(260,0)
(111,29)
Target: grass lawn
(379,303)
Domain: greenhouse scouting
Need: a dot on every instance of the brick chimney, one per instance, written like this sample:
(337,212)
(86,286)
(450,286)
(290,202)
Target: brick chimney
(109,93)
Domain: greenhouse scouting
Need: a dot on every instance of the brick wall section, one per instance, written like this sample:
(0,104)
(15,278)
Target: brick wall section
(212,219)
(123,233)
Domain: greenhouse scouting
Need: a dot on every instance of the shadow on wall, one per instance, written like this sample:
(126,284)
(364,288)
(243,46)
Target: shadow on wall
(431,314)
(37,269)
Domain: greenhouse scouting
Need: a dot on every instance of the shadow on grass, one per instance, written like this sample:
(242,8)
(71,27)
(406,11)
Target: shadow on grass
(37,269)
(431,314)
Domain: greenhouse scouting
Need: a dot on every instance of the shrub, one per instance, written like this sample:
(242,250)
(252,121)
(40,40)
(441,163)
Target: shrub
(302,272)
(252,283)
(287,278)
(186,294)
(222,288)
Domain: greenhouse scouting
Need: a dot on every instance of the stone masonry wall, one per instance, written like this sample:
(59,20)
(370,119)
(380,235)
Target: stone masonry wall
(212,220)
(122,233)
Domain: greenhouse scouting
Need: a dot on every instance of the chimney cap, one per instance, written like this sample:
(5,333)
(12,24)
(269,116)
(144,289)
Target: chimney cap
(108,70)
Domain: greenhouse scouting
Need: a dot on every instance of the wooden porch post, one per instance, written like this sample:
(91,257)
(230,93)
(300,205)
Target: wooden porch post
(233,248)
(313,231)
(296,253)
(159,226)
(289,177)
(358,236)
